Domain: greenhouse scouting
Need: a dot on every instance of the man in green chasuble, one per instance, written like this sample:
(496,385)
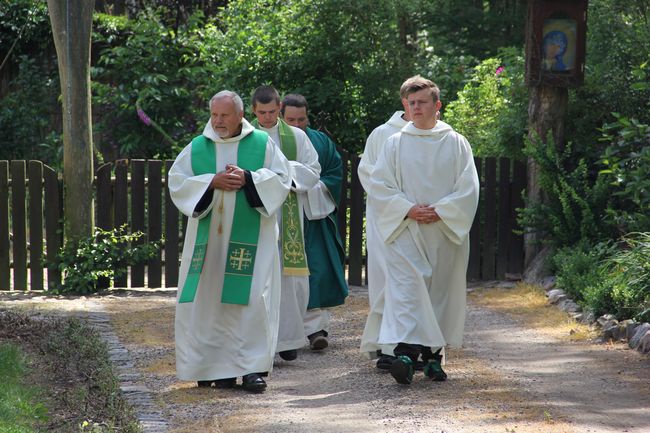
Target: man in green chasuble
(325,253)
(305,171)
(229,181)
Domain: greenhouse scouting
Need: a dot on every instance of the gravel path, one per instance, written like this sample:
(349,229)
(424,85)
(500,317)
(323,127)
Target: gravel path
(508,378)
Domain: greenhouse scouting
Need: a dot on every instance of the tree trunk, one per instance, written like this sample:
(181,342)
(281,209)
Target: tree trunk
(71,28)
(547,109)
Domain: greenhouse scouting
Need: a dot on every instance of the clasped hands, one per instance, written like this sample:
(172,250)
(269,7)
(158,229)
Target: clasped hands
(423,214)
(231,179)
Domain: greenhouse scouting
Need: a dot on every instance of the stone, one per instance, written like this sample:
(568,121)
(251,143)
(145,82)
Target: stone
(512,277)
(588,317)
(644,343)
(630,330)
(606,321)
(612,332)
(640,332)
(622,329)
(569,306)
(548,283)
(537,269)
(555,295)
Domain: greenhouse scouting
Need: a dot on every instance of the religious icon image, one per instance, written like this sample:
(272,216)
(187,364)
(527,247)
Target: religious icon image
(558,45)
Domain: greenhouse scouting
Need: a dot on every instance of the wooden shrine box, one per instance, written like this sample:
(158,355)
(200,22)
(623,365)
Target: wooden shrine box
(555,42)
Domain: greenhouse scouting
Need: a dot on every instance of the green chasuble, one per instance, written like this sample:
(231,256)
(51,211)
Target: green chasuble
(325,253)
(242,247)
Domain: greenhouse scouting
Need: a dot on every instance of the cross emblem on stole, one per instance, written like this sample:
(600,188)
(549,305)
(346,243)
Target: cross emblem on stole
(240,259)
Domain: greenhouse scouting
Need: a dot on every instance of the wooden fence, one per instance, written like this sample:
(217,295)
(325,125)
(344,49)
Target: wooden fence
(134,192)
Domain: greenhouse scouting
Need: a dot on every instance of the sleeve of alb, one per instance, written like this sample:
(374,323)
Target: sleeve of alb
(250,191)
(205,201)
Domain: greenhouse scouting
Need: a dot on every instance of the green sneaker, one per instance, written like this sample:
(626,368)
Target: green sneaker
(402,370)
(434,371)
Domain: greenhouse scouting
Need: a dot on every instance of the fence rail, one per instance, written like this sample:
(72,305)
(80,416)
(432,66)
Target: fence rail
(134,192)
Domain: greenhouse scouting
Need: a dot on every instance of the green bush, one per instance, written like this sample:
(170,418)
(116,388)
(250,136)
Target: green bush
(575,205)
(491,109)
(105,255)
(578,268)
(608,278)
(627,168)
(144,63)
(627,285)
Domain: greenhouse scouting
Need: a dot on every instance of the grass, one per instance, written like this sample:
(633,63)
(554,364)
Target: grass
(19,409)
(69,363)
(528,302)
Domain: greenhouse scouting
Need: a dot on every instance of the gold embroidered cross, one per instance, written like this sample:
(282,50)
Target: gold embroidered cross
(240,259)
(196,263)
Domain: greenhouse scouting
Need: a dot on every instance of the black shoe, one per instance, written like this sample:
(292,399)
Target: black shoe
(218,383)
(289,355)
(385,361)
(433,370)
(318,340)
(402,370)
(225,383)
(253,383)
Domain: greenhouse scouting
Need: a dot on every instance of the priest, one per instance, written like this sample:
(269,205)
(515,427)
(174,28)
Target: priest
(229,182)
(305,171)
(323,244)
(426,188)
(374,245)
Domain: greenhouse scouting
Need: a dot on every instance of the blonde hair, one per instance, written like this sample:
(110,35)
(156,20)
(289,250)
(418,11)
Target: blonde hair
(417,83)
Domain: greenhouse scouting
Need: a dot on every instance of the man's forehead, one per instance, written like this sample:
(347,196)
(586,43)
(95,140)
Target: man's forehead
(223,104)
(269,106)
(422,93)
(290,110)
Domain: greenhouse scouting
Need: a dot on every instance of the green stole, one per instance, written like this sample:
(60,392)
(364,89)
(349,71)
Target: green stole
(242,247)
(294,259)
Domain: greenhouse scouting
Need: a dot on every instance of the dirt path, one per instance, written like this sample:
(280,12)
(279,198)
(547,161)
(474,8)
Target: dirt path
(518,373)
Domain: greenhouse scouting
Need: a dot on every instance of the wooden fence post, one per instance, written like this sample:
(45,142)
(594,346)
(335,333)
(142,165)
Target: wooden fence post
(5,270)
(53,223)
(35,172)
(171,234)
(154,218)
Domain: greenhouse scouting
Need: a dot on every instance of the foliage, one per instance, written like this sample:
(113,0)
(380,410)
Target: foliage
(490,110)
(578,267)
(345,57)
(26,116)
(19,411)
(144,62)
(25,23)
(627,166)
(618,41)
(453,36)
(575,204)
(607,277)
(104,255)
(627,286)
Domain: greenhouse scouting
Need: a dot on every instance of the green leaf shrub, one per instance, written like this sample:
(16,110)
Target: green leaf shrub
(142,61)
(627,285)
(575,204)
(491,109)
(627,168)
(578,268)
(104,255)
(608,278)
